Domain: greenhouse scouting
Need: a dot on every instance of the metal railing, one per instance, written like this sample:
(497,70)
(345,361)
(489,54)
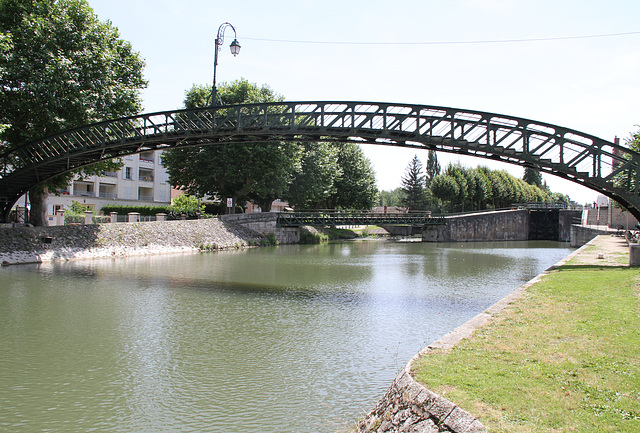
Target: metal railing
(297,219)
(601,165)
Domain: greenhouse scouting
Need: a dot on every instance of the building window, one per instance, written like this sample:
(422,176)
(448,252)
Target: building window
(128,173)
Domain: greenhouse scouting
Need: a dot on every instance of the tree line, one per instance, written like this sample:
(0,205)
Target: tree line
(459,189)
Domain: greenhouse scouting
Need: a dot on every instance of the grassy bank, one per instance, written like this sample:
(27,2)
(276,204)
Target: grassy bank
(317,235)
(563,358)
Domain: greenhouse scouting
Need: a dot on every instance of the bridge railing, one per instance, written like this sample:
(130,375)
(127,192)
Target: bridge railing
(297,219)
(369,122)
(604,166)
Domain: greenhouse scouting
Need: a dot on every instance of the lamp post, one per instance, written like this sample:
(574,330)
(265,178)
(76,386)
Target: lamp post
(235,49)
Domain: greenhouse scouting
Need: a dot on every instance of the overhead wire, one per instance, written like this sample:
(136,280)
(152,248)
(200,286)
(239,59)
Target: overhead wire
(496,41)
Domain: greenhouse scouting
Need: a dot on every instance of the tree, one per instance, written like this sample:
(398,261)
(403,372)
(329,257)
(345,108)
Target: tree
(413,188)
(633,143)
(457,171)
(252,171)
(187,204)
(356,187)
(390,198)
(532,177)
(60,67)
(433,167)
(445,188)
(484,186)
(314,180)
(483,192)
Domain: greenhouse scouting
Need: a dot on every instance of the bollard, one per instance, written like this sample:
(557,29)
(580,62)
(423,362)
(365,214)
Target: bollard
(134,217)
(634,254)
(114,217)
(60,217)
(88,217)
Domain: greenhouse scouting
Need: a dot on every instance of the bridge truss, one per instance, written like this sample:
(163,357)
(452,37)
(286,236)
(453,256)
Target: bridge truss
(323,219)
(603,166)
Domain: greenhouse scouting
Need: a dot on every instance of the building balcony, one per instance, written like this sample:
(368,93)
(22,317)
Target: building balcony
(146,157)
(110,195)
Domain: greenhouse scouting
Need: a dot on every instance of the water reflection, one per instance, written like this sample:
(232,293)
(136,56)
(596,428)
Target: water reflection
(295,338)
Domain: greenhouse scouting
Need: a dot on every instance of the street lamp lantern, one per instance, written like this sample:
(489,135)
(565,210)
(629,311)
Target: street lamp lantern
(235,49)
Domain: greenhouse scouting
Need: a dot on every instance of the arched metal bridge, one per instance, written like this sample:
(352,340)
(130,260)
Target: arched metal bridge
(603,166)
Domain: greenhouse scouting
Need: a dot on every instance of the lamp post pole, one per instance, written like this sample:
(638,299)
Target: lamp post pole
(235,49)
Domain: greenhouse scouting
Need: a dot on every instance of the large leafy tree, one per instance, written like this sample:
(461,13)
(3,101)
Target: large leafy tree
(314,180)
(60,67)
(252,171)
(413,185)
(356,187)
(445,188)
(457,172)
(333,175)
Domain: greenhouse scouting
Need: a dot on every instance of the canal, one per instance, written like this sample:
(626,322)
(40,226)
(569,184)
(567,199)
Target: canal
(301,338)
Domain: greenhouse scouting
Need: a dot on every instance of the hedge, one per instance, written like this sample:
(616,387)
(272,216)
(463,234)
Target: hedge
(142,210)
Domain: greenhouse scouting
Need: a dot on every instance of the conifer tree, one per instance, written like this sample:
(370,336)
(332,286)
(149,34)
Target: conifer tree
(413,185)
(433,167)
(532,177)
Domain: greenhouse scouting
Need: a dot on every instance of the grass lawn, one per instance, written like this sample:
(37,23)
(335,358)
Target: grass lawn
(563,358)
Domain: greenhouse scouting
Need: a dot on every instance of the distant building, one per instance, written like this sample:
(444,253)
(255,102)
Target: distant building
(141,181)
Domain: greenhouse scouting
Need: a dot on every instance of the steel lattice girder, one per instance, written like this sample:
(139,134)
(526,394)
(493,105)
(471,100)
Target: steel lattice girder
(321,219)
(603,166)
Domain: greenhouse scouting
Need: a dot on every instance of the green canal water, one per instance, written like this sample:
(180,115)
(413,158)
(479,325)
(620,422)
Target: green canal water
(283,339)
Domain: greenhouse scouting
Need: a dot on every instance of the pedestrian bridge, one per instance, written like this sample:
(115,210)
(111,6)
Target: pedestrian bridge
(603,166)
(324,219)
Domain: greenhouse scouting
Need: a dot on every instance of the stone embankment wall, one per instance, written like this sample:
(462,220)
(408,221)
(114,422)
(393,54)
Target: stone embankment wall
(265,223)
(39,244)
(408,406)
(510,225)
(580,234)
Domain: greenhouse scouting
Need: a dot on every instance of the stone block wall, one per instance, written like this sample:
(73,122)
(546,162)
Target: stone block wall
(598,216)
(510,225)
(621,218)
(265,223)
(408,406)
(580,234)
(39,244)
(566,219)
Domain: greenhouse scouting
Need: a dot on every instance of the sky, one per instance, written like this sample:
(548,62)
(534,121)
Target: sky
(573,63)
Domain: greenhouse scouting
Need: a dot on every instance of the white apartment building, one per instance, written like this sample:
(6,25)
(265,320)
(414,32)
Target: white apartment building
(141,181)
